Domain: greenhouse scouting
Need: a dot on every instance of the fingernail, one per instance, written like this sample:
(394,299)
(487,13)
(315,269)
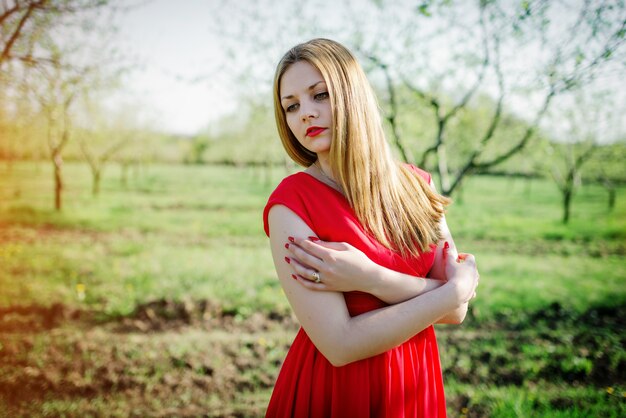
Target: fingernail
(446,245)
(293,276)
(314,239)
(287,246)
(291,239)
(287,260)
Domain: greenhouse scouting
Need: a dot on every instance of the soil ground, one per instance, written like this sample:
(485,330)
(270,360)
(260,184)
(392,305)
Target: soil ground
(196,359)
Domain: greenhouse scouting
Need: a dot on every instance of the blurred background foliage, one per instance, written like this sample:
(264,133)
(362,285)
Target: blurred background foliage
(135,278)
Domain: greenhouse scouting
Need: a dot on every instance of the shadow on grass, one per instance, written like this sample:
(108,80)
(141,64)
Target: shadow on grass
(554,344)
(210,355)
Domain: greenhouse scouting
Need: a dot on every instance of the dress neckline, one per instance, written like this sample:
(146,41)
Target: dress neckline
(325,184)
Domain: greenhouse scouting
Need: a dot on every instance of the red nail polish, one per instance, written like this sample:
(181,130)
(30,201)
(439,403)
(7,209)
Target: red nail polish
(314,239)
(293,276)
(290,239)
(287,260)
(287,246)
(446,245)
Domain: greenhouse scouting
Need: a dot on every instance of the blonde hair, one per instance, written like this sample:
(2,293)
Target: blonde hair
(393,203)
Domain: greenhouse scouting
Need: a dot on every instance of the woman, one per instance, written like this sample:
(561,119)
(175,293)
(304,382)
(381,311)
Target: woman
(353,237)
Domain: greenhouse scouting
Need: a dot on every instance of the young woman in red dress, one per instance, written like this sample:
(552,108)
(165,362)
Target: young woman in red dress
(361,249)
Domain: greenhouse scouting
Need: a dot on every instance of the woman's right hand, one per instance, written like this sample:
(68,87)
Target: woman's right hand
(462,273)
(340,266)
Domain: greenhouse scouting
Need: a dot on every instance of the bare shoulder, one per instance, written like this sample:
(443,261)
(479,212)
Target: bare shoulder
(307,304)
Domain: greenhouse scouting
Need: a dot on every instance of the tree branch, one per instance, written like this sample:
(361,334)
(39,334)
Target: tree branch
(437,107)
(584,156)
(489,133)
(393,103)
(434,103)
(113,149)
(8,12)
(481,74)
(16,33)
(524,140)
(612,44)
(90,159)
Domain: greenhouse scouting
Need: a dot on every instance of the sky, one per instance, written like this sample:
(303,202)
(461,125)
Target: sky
(178,80)
(174,46)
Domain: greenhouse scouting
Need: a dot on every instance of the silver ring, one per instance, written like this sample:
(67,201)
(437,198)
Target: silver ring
(316,276)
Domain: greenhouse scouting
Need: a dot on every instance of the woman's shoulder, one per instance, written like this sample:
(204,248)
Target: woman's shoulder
(422,173)
(292,192)
(293,183)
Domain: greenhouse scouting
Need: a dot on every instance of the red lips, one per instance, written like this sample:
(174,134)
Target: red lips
(313,131)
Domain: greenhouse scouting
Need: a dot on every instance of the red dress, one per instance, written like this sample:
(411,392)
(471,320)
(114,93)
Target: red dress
(403,382)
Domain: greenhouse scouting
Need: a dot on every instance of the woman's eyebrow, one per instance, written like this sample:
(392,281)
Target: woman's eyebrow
(311,87)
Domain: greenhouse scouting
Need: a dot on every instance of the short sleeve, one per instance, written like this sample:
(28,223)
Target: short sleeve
(423,174)
(292,195)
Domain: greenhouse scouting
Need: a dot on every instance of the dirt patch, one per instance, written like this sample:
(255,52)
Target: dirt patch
(167,314)
(167,358)
(560,247)
(551,344)
(14,236)
(35,318)
(196,358)
(27,234)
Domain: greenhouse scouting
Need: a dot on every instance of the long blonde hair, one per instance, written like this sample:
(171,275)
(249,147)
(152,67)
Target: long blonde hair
(393,203)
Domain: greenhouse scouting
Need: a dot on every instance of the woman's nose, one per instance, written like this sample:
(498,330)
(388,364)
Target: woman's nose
(308,112)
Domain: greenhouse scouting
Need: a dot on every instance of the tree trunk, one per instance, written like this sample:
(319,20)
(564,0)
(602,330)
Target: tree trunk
(124,175)
(57,161)
(289,165)
(610,188)
(442,165)
(458,197)
(510,182)
(267,166)
(529,183)
(95,187)
(567,200)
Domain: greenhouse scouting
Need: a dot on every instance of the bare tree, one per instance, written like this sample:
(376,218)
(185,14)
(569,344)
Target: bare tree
(97,161)
(25,26)
(52,52)
(56,91)
(581,123)
(608,171)
(591,41)
(447,56)
(105,135)
(569,178)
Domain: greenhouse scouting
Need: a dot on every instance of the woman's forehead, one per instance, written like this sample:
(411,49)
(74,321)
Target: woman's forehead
(300,75)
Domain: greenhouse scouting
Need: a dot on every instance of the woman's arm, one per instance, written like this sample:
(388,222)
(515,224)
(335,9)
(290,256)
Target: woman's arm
(348,269)
(343,339)
(438,269)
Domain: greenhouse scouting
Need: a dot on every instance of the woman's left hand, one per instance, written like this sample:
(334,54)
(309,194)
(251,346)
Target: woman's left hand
(339,266)
(438,269)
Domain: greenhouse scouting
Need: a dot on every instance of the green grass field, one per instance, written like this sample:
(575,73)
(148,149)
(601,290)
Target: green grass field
(164,300)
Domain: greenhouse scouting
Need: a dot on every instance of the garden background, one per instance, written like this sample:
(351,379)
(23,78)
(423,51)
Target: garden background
(135,277)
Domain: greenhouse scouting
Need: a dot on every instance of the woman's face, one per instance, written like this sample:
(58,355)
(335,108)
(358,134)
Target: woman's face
(305,100)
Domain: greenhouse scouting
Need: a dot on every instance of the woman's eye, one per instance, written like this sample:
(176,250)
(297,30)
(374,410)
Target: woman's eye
(321,96)
(292,107)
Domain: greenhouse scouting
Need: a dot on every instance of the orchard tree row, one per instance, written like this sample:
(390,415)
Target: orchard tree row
(523,87)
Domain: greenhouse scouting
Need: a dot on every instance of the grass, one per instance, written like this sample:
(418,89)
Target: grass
(178,231)
(539,400)
(194,230)
(193,233)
